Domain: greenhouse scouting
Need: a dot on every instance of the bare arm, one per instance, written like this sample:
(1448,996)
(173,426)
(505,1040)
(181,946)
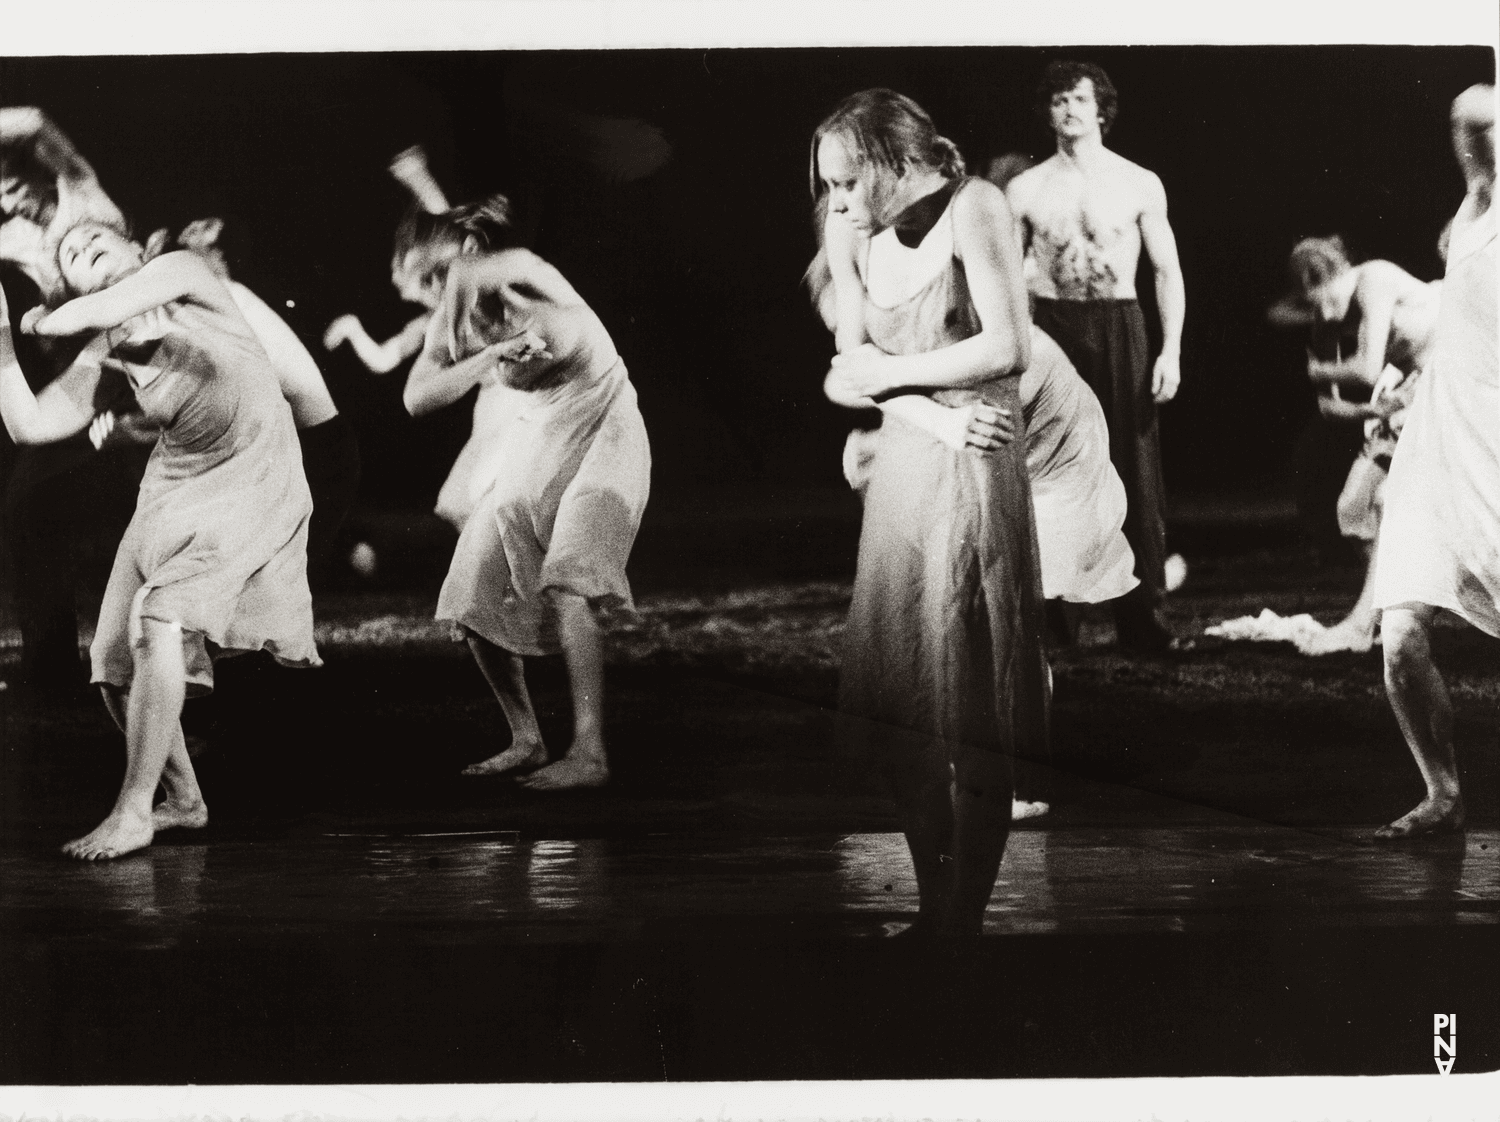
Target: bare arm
(172,276)
(985,241)
(981,426)
(27,126)
(1171,296)
(379,358)
(65,405)
(409,168)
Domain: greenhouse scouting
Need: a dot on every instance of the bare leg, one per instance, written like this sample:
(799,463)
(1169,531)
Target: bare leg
(981,823)
(1425,714)
(183,805)
(1356,631)
(152,727)
(585,764)
(924,798)
(506,674)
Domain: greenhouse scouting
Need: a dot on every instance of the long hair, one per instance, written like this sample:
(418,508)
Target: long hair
(888,131)
(1063,75)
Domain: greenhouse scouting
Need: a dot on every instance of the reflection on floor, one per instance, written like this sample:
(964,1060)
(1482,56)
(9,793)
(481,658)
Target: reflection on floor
(498,887)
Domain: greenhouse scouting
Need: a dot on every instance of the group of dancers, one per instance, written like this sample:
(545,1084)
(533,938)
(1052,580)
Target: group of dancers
(992,334)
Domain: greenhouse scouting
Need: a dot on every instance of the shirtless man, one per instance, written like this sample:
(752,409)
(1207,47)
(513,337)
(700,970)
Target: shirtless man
(1085,215)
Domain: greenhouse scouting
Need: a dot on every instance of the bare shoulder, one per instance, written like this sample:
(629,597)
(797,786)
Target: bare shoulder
(1143,184)
(980,201)
(1025,188)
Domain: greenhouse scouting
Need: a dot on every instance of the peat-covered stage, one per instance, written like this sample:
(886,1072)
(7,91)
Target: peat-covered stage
(1205,897)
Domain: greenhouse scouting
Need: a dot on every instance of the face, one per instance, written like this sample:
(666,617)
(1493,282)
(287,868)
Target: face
(854,188)
(95,257)
(19,198)
(1075,112)
(419,278)
(1331,299)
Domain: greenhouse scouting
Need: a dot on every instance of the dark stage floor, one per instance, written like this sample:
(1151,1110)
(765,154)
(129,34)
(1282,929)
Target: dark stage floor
(1204,899)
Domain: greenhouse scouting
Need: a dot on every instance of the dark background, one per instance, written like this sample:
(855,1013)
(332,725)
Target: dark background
(695,269)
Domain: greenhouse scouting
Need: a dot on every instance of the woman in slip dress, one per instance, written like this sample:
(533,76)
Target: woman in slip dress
(215,559)
(944,641)
(547,543)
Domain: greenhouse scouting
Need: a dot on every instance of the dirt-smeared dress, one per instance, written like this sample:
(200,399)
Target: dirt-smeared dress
(945,628)
(218,543)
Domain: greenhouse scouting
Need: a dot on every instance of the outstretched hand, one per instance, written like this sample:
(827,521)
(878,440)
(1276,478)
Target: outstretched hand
(340,331)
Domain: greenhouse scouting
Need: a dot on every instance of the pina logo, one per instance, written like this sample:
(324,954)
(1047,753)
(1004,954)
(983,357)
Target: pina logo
(1440,1046)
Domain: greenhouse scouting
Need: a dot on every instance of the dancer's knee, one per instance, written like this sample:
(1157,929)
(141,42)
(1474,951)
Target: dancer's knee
(1403,636)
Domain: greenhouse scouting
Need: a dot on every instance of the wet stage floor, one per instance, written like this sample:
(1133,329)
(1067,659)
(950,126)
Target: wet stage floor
(498,887)
(327,957)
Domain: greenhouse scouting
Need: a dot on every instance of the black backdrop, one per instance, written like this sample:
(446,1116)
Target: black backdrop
(695,268)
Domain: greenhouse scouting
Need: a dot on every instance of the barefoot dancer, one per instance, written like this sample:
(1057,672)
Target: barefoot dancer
(1078,498)
(1396,317)
(425,242)
(1440,537)
(215,559)
(944,633)
(548,540)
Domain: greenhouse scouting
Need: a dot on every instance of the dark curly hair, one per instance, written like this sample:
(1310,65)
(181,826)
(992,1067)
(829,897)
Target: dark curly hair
(1063,75)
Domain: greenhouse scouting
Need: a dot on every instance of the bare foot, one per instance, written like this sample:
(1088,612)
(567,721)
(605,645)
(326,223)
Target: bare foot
(1430,816)
(123,832)
(1342,636)
(171,813)
(1020,809)
(516,756)
(576,769)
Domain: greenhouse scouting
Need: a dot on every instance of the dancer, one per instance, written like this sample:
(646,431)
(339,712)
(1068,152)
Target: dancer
(1078,499)
(547,544)
(1397,316)
(1440,536)
(425,242)
(1086,213)
(214,561)
(329,444)
(944,633)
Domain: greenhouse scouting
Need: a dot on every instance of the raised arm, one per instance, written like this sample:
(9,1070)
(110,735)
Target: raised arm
(63,408)
(1171,297)
(172,276)
(985,241)
(30,128)
(409,168)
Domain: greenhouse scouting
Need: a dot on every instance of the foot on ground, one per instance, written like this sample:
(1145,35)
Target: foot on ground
(121,833)
(171,813)
(573,770)
(1430,816)
(1021,809)
(516,756)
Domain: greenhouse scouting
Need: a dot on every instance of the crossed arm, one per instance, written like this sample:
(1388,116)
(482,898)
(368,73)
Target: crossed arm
(172,276)
(863,376)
